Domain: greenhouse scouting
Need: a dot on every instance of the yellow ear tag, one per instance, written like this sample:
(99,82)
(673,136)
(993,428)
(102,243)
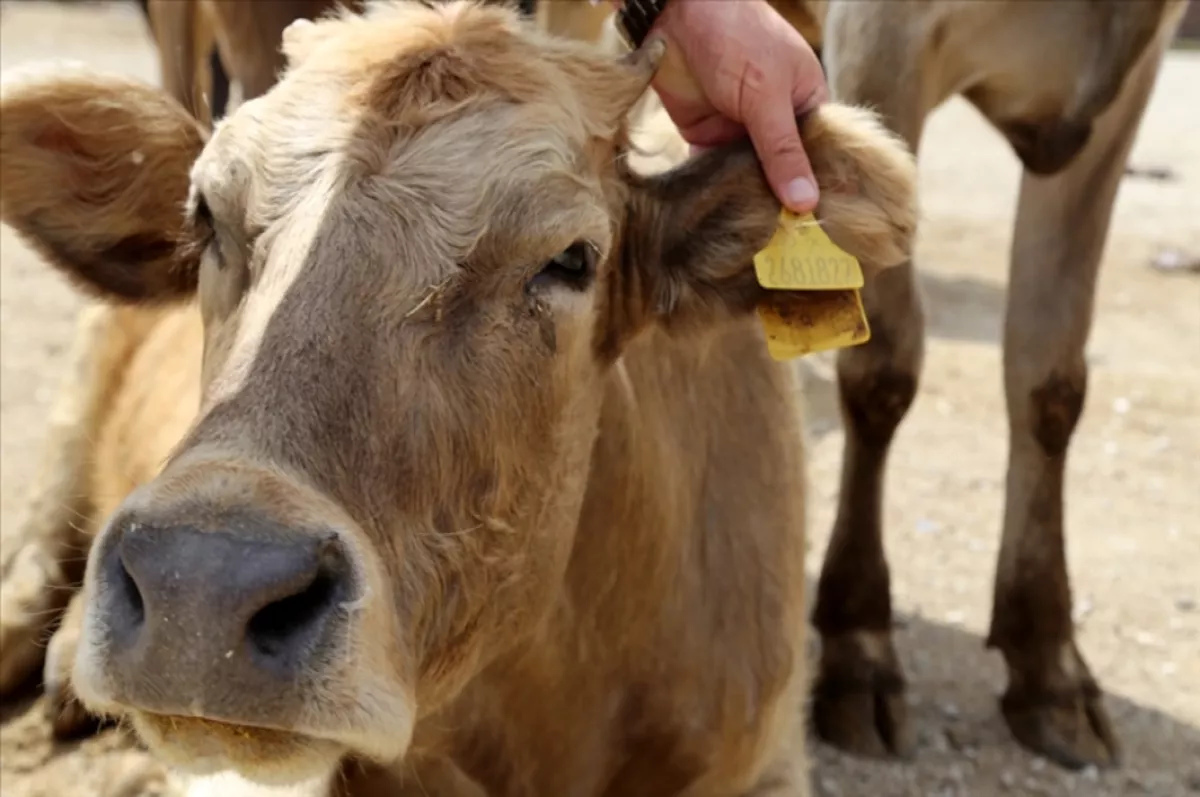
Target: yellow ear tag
(803,322)
(818,306)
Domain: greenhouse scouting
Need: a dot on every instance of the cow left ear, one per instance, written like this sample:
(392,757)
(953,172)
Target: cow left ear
(94,174)
(690,234)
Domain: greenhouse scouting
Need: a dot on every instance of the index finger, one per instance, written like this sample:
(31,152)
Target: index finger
(772,126)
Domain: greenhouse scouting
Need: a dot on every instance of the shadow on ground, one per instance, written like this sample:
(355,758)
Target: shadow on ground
(964,747)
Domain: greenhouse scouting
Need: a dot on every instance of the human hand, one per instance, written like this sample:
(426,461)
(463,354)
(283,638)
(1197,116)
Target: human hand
(755,73)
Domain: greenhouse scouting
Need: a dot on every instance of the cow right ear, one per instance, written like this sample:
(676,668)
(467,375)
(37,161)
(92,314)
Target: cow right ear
(690,234)
(300,38)
(94,174)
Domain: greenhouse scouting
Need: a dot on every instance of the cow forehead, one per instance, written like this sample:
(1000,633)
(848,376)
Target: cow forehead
(498,171)
(427,120)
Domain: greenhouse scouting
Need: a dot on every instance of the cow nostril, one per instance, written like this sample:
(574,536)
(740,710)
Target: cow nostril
(127,604)
(281,627)
(132,595)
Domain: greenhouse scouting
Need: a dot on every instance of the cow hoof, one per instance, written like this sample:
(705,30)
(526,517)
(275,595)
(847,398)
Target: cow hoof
(30,602)
(68,718)
(21,651)
(1071,729)
(858,700)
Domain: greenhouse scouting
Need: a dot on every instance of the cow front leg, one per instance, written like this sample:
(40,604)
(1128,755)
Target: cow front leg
(858,697)
(45,558)
(1053,704)
(858,694)
(788,777)
(67,717)
(230,784)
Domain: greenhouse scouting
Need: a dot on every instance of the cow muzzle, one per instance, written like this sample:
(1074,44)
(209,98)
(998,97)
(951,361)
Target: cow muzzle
(220,635)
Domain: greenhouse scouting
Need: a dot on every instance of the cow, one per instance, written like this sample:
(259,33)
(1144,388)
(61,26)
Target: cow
(1066,84)
(204,45)
(428,430)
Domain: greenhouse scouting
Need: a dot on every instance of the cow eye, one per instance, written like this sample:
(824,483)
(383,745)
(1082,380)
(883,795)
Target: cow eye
(573,267)
(204,212)
(207,227)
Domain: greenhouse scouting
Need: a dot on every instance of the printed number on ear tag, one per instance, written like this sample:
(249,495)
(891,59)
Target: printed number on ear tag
(800,257)
(818,305)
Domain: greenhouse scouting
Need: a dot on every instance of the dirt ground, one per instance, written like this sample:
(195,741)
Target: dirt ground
(1133,506)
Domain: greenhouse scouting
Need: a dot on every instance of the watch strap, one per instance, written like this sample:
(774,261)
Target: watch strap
(636,19)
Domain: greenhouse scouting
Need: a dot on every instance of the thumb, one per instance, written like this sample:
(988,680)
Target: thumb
(776,138)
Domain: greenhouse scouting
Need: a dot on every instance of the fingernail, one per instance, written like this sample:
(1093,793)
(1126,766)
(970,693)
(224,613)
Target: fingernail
(800,194)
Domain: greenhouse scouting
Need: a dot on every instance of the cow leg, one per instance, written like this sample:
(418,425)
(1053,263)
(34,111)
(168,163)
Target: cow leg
(220,85)
(49,549)
(171,26)
(67,716)
(428,778)
(788,778)
(858,701)
(53,537)
(1053,704)
(229,784)
(248,37)
(34,587)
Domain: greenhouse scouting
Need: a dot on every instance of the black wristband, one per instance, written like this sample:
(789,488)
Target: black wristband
(636,19)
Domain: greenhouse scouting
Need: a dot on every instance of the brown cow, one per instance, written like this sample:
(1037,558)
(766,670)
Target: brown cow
(492,474)
(204,44)
(1066,83)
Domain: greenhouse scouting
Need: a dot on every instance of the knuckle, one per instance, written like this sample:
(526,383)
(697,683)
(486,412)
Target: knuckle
(777,140)
(752,91)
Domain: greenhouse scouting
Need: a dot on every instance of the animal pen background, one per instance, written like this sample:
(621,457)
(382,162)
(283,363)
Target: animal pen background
(1133,506)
